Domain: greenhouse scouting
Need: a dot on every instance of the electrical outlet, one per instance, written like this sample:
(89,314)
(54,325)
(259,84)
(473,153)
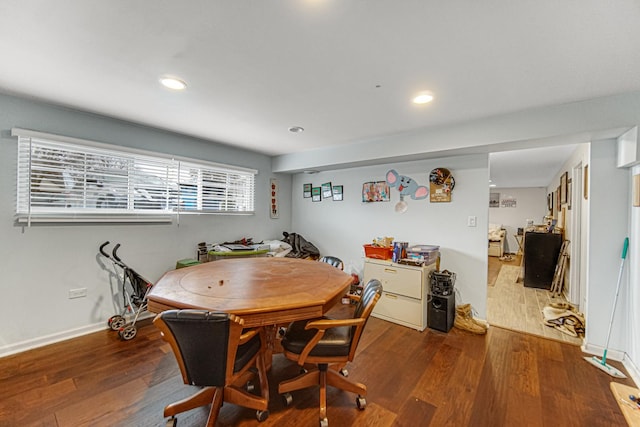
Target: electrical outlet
(471,221)
(77,293)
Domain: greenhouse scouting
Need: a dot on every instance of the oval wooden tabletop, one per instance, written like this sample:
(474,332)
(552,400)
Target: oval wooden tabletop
(247,286)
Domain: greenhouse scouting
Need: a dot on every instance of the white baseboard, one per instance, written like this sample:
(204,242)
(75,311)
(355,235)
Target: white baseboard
(19,347)
(50,339)
(632,369)
(596,350)
(618,356)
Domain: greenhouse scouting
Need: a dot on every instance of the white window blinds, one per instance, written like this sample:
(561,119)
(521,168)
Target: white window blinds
(61,178)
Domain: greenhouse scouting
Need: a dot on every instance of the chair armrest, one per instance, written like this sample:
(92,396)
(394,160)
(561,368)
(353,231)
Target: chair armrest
(353,297)
(322,325)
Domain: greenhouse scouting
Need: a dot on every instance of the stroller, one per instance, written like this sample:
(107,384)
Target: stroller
(134,295)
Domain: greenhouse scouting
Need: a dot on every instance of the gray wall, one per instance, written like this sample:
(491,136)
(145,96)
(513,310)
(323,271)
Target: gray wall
(41,263)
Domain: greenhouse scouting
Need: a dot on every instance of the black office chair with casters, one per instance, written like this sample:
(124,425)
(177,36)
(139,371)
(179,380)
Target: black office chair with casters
(326,342)
(332,260)
(215,353)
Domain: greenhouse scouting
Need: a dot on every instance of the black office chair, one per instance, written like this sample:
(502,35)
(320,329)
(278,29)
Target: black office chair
(213,352)
(325,342)
(332,260)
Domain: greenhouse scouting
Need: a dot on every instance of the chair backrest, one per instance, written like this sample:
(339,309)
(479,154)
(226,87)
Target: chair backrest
(200,342)
(370,295)
(334,261)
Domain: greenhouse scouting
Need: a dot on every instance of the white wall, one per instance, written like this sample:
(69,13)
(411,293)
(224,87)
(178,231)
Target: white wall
(609,225)
(531,203)
(40,264)
(341,228)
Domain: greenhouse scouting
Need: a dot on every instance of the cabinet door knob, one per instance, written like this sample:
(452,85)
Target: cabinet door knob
(390,270)
(391,296)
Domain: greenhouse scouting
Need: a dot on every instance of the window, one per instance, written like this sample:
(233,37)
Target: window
(63,178)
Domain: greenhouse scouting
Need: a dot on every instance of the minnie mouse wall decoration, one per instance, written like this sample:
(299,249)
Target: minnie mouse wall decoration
(407,186)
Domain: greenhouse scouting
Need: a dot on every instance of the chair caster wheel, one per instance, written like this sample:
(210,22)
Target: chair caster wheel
(287,399)
(324,422)
(262,415)
(361,403)
(344,372)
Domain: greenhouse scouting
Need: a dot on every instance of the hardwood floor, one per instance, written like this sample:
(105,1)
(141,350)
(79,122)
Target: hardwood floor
(414,378)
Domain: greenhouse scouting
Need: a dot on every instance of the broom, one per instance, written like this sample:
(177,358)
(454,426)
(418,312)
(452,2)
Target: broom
(602,363)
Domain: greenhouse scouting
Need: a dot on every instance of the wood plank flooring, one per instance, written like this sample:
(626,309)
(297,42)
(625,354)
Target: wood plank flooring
(414,378)
(513,306)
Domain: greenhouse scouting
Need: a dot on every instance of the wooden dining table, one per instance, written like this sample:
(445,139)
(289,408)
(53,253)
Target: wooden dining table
(262,291)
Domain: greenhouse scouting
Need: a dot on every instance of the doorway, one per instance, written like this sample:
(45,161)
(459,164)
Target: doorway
(532,196)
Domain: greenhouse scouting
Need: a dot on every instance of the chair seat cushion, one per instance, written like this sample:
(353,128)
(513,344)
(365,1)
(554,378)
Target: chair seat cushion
(335,342)
(245,352)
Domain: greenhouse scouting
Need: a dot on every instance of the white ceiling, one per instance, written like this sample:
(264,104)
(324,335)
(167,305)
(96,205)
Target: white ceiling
(345,70)
(535,167)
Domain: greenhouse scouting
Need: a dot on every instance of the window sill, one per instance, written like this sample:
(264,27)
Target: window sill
(23,219)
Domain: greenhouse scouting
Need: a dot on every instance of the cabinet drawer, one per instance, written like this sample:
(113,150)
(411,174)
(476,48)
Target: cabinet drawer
(401,281)
(403,310)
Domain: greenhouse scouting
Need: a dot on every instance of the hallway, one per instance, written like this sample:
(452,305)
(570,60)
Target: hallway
(513,306)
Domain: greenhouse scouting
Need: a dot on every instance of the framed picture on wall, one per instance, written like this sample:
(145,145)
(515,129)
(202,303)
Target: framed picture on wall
(326,190)
(375,191)
(508,202)
(274,198)
(494,200)
(316,194)
(564,187)
(306,190)
(337,192)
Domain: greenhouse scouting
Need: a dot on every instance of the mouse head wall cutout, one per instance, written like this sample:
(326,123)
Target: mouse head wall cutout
(407,186)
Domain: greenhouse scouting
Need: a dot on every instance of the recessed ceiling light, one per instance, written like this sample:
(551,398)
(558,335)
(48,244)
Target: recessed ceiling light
(173,83)
(423,98)
(296,129)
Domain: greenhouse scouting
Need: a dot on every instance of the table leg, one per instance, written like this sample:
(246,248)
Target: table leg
(272,332)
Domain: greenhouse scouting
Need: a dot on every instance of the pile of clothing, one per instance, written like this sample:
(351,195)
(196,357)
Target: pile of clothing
(565,318)
(300,247)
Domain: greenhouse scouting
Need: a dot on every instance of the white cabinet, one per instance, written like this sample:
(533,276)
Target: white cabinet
(405,292)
